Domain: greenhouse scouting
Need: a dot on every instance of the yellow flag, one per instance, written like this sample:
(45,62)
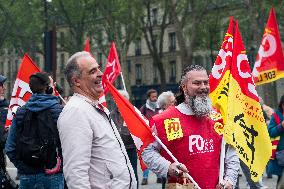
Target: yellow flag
(246,129)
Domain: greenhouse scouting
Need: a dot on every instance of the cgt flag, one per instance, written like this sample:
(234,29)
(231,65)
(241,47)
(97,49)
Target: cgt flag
(269,65)
(21,91)
(135,121)
(246,129)
(113,69)
(219,77)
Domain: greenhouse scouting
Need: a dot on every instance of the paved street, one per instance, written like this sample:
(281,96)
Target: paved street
(271,183)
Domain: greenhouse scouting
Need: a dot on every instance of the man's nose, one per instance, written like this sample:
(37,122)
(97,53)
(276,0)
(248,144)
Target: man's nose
(203,85)
(100,73)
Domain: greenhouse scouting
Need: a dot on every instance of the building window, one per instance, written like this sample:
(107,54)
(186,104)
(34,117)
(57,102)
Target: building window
(62,58)
(138,74)
(62,37)
(138,47)
(155,74)
(156,42)
(16,68)
(17,64)
(155,16)
(173,71)
(128,66)
(2,67)
(172,41)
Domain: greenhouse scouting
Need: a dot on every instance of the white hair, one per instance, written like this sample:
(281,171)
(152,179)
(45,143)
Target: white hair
(163,98)
(124,93)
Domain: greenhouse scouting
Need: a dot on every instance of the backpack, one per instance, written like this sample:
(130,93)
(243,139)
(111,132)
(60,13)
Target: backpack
(37,140)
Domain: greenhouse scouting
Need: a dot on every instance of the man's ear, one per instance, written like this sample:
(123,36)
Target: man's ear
(75,81)
(183,87)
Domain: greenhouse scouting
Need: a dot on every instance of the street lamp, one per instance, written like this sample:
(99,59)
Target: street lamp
(49,44)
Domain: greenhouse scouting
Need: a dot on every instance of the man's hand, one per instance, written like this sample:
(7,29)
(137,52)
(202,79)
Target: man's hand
(226,185)
(177,170)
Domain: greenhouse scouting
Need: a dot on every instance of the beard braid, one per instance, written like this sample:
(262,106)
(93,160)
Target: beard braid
(201,106)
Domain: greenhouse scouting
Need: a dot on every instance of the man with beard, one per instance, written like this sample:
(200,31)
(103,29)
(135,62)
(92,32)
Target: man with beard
(188,132)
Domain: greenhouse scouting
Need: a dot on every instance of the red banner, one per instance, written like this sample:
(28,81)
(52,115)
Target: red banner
(137,124)
(113,69)
(219,77)
(269,65)
(21,91)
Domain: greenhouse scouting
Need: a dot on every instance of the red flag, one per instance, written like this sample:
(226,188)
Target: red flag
(113,69)
(219,77)
(21,91)
(137,124)
(87,45)
(269,65)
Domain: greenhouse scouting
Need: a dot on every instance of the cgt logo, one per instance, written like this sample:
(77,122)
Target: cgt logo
(198,145)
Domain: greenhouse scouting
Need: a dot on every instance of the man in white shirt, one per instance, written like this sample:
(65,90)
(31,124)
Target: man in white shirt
(93,152)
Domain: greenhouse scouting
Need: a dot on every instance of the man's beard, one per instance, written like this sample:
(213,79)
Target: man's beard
(200,105)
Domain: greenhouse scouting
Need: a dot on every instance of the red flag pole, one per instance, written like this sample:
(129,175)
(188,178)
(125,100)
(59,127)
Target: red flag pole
(123,83)
(174,158)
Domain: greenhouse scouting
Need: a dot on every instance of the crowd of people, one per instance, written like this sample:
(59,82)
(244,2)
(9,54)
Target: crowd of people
(82,145)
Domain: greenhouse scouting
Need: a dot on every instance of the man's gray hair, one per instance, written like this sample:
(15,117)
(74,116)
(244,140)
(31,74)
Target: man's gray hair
(72,67)
(163,98)
(180,96)
(193,67)
(124,93)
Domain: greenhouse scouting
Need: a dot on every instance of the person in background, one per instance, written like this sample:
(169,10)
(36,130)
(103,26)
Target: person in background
(149,110)
(3,115)
(165,100)
(36,175)
(125,135)
(276,129)
(267,111)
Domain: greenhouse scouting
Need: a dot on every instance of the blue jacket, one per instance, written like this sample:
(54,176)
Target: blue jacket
(37,102)
(275,130)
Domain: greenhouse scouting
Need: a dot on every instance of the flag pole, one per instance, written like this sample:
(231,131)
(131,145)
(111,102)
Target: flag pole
(122,79)
(174,158)
(62,99)
(222,161)
(54,85)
